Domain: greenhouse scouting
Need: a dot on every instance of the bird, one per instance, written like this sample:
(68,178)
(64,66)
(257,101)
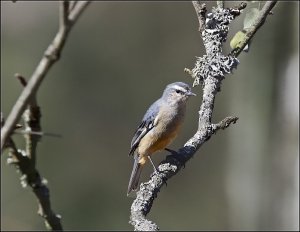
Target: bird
(158,128)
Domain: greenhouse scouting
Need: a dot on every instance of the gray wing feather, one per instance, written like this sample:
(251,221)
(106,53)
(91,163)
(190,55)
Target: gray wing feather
(146,125)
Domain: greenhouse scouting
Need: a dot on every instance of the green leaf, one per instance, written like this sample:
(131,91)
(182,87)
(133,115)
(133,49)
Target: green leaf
(250,17)
(237,39)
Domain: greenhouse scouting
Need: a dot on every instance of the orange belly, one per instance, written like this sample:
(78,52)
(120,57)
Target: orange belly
(154,141)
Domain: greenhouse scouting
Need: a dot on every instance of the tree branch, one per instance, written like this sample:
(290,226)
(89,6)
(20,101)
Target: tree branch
(77,10)
(260,20)
(25,161)
(31,117)
(51,55)
(31,177)
(209,70)
(141,206)
(72,5)
(63,14)
(201,14)
(220,4)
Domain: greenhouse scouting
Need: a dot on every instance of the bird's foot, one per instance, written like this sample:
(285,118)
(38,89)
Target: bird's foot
(171,151)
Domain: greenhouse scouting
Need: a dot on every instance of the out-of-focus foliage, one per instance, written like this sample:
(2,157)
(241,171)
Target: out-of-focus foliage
(237,39)
(250,17)
(116,62)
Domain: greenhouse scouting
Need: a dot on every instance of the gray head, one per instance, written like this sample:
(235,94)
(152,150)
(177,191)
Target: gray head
(177,92)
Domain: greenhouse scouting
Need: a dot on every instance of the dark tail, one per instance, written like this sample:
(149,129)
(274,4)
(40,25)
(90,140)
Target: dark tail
(135,175)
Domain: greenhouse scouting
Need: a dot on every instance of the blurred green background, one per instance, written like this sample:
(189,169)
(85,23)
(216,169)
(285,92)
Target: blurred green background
(116,62)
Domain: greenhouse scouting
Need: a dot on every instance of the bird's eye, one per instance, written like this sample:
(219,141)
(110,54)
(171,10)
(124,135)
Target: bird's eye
(178,91)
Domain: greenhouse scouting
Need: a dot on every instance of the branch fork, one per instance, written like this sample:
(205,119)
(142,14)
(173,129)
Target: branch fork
(27,107)
(51,55)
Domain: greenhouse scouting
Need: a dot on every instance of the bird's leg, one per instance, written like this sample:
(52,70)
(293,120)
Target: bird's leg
(155,169)
(171,151)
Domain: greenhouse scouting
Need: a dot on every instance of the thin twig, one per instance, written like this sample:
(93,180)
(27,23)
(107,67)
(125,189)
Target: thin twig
(72,5)
(220,4)
(31,117)
(63,14)
(263,14)
(51,55)
(240,7)
(27,163)
(32,101)
(201,13)
(31,177)
(40,133)
(21,79)
(77,10)
(17,126)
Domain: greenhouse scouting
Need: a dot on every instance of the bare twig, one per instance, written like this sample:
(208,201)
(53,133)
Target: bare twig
(209,70)
(25,161)
(201,14)
(31,177)
(31,117)
(220,4)
(63,14)
(78,8)
(17,126)
(51,55)
(240,7)
(40,133)
(72,5)
(21,79)
(263,14)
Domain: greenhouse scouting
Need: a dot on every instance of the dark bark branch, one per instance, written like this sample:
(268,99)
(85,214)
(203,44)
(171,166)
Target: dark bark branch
(72,5)
(25,164)
(31,118)
(31,177)
(25,161)
(63,14)
(209,70)
(51,55)
(21,79)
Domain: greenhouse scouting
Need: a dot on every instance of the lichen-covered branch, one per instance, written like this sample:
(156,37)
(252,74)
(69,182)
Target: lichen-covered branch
(141,206)
(51,55)
(209,71)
